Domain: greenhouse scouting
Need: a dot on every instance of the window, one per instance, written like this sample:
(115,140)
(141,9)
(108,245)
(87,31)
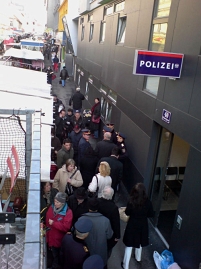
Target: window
(112,96)
(103,89)
(158,38)
(90,17)
(81,21)
(106,109)
(119,6)
(102,31)
(91,32)
(163,8)
(121,30)
(103,107)
(108,10)
(78,81)
(82,35)
(87,91)
(108,112)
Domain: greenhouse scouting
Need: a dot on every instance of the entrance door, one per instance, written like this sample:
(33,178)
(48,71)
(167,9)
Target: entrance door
(167,181)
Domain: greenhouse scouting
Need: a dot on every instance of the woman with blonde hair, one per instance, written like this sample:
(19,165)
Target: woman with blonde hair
(67,174)
(101,179)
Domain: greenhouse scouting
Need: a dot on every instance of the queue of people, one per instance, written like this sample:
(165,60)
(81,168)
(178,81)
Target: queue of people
(81,218)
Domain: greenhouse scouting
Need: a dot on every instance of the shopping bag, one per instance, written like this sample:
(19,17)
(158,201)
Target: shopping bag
(167,259)
(123,215)
(157,259)
(53,76)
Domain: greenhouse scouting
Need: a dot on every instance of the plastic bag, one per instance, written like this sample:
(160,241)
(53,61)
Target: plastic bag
(174,266)
(123,215)
(167,259)
(157,259)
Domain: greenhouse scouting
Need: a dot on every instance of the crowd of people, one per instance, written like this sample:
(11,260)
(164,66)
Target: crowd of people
(78,209)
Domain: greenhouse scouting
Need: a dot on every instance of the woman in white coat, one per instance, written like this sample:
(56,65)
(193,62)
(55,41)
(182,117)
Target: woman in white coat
(101,180)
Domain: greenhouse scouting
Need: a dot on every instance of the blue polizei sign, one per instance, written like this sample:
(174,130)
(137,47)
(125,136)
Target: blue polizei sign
(160,64)
(166,116)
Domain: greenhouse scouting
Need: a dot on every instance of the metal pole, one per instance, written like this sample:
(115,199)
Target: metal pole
(28,148)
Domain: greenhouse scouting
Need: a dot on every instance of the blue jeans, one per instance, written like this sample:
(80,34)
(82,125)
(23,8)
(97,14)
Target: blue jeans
(96,134)
(63,82)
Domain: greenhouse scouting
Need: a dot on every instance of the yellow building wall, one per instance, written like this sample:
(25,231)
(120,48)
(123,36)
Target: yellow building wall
(63,10)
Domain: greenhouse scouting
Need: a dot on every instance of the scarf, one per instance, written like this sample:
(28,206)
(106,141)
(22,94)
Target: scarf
(47,197)
(94,106)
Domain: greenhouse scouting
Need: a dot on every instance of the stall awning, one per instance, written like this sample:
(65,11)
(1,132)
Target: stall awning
(24,54)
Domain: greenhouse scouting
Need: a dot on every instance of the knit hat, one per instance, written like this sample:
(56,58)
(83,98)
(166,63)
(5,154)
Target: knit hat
(61,197)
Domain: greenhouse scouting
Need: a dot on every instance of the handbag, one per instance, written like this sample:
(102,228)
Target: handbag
(60,81)
(123,215)
(53,76)
(69,188)
(94,194)
(97,120)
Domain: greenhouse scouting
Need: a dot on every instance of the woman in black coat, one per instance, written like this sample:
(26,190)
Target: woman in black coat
(136,235)
(95,117)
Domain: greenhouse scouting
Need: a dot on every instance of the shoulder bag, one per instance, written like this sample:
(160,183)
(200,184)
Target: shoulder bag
(94,194)
(69,188)
(97,120)
(123,215)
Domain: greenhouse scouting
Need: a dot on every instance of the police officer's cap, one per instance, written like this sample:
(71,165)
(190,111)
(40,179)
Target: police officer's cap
(121,135)
(86,131)
(110,124)
(83,225)
(93,262)
(106,129)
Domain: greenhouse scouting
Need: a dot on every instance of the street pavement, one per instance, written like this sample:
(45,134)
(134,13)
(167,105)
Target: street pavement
(114,262)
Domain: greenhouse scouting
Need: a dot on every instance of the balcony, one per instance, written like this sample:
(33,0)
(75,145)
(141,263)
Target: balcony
(103,2)
(84,6)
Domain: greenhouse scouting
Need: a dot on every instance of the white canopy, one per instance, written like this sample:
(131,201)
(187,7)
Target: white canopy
(24,54)
(23,89)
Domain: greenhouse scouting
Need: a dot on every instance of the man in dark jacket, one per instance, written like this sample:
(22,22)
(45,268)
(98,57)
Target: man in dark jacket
(77,99)
(116,167)
(75,137)
(55,145)
(57,105)
(64,75)
(78,203)
(56,63)
(60,123)
(77,119)
(104,147)
(83,144)
(65,153)
(73,248)
(113,133)
(68,125)
(108,208)
(49,75)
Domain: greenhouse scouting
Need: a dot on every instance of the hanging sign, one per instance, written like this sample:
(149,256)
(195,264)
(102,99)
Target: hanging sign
(166,116)
(160,64)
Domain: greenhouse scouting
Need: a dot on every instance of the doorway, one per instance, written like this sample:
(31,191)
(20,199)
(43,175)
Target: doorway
(167,181)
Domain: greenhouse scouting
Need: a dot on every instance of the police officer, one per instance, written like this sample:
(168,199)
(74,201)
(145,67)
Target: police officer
(113,133)
(121,145)
(83,144)
(73,248)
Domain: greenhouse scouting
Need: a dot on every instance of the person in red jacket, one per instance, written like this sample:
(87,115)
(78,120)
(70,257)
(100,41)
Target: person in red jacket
(58,221)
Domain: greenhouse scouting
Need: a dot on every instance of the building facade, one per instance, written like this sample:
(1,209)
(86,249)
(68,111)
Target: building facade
(160,116)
